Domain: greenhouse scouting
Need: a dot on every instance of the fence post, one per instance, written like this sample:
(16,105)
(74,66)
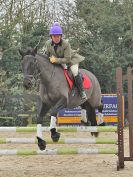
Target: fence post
(130,110)
(120,163)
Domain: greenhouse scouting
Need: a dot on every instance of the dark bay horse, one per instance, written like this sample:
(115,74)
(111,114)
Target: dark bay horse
(55,93)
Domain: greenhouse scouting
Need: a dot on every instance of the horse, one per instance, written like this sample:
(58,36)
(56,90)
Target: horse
(55,93)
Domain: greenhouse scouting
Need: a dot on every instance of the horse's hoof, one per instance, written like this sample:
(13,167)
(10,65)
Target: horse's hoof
(41,144)
(55,137)
(95,134)
(102,124)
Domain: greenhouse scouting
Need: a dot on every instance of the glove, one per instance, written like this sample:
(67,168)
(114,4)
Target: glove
(52,59)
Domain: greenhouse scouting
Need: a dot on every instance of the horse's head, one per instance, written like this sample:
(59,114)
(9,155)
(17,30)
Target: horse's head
(29,66)
(28,51)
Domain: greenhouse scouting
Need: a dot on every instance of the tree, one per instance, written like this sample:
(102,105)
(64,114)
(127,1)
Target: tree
(104,47)
(22,25)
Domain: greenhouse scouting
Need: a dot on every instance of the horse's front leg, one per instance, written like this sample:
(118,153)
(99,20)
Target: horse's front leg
(43,109)
(59,105)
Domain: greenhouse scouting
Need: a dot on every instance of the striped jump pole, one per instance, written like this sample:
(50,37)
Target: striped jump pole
(62,129)
(61,141)
(59,151)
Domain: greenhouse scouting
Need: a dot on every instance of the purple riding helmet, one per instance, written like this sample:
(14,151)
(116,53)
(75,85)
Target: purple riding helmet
(55,29)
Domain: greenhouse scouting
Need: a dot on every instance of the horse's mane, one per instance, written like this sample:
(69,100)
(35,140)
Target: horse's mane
(43,58)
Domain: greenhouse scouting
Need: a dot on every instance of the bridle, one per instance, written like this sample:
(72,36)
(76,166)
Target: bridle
(36,74)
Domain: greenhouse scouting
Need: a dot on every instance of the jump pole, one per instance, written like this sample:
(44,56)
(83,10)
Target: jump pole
(62,129)
(59,151)
(61,141)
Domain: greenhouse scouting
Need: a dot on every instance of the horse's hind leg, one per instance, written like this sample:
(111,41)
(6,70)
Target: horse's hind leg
(91,116)
(100,120)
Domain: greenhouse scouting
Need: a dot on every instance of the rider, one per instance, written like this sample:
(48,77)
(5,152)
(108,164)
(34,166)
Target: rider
(59,51)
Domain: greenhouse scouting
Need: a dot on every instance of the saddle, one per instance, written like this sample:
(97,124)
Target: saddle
(69,77)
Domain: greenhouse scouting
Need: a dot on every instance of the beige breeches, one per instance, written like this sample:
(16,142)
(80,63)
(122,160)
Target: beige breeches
(75,69)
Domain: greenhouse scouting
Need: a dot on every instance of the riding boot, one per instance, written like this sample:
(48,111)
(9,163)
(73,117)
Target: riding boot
(79,85)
